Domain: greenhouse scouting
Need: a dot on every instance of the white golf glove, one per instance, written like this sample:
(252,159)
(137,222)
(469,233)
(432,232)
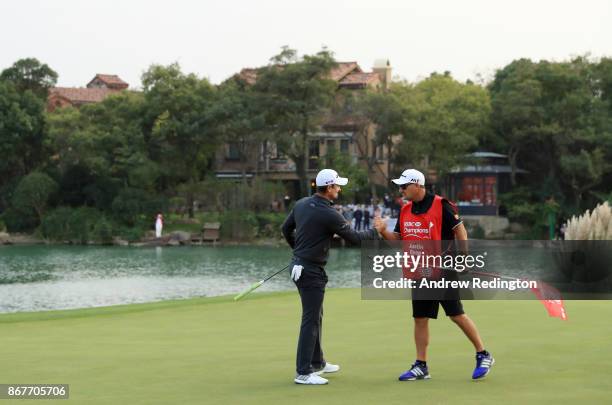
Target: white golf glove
(296,272)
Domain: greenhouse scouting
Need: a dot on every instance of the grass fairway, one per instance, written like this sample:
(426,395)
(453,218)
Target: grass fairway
(209,351)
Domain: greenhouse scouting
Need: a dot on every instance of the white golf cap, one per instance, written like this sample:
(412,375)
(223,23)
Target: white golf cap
(410,176)
(327,177)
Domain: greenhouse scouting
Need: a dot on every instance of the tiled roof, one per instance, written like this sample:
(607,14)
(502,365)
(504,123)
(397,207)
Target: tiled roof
(360,78)
(81,95)
(338,73)
(344,68)
(112,80)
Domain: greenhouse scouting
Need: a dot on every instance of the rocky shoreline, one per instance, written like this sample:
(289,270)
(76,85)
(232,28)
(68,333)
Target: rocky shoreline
(176,238)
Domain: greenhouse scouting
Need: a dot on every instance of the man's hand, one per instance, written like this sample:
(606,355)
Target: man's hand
(380,224)
(296,272)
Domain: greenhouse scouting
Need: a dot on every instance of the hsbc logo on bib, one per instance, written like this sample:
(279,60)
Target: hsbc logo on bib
(417,229)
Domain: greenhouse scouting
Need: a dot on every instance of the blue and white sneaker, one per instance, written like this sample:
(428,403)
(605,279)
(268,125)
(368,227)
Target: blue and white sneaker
(416,372)
(484,362)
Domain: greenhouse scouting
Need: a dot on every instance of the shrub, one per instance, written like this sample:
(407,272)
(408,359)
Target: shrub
(33,193)
(17,220)
(103,231)
(270,223)
(67,224)
(132,234)
(238,225)
(133,205)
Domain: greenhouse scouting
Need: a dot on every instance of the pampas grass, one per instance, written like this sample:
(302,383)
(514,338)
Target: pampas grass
(596,225)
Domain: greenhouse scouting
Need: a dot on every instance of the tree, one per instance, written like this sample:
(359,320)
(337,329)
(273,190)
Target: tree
(297,93)
(30,74)
(241,120)
(443,120)
(100,148)
(556,119)
(386,112)
(22,130)
(357,175)
(33,192)
(517,113)
(180,125)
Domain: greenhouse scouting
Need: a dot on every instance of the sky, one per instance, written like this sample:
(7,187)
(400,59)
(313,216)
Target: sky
(215,39)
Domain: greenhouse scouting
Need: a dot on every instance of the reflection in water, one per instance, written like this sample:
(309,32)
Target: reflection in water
(34,278)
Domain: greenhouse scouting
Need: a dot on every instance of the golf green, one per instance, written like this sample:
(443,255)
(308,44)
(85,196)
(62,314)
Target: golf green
(206,351)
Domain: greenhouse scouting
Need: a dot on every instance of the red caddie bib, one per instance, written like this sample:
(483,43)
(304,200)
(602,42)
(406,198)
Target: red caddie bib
(418,231)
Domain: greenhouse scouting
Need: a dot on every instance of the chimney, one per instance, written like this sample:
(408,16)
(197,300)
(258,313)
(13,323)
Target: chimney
(383,68)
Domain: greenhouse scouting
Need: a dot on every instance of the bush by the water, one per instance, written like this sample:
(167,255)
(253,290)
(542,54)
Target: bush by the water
(133,205)
(238,225)
(76,225)
(270,224)
(18,220)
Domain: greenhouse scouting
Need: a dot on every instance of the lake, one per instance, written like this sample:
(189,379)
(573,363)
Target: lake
(37,278)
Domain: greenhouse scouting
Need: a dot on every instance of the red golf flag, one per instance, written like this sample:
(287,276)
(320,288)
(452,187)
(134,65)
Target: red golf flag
(551,298)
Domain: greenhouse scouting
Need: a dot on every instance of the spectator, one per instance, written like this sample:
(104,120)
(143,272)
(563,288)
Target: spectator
(366,218)
(159,225)
(358,215)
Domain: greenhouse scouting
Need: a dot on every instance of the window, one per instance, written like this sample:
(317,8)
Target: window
(313,149)
(331,146)
(233,152)
(313,154)
(478,190)
(344,146)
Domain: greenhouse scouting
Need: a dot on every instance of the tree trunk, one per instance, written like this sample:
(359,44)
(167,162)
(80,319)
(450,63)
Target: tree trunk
(389,148)
(302,167)
(512,154)
(190,198)
(302,174)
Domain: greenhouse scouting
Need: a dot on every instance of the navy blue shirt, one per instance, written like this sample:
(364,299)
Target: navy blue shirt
(315,222)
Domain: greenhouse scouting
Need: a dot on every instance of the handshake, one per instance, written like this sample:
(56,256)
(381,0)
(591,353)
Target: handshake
(380,224)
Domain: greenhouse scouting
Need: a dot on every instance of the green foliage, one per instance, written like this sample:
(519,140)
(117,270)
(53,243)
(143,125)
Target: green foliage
(357,175)
(133,205)
(33,193)
(296,94)
(523,206)
(80,185)
(103,231)
(554,119)
(22,130)
(222,195)
(238,225)
(443,120)
(132,234)
(30,74)
(105,141)
(17,220)
(76,225)
(270,223)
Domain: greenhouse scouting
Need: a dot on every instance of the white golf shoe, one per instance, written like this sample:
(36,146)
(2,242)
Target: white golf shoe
(329,368)
(310,379)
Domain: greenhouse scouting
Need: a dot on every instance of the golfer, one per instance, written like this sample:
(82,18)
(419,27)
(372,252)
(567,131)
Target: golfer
(315,222)
(429,216)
